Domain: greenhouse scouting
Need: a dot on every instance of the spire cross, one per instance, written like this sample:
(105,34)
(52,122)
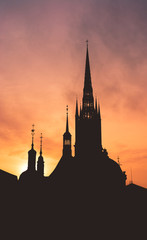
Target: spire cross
(87,43)
(33,133)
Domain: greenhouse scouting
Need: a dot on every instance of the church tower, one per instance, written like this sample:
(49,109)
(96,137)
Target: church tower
(32,154)
(40,163)
(88,121)
(67,139)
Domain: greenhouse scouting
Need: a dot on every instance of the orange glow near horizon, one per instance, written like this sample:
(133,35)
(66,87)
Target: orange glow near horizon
(42,70)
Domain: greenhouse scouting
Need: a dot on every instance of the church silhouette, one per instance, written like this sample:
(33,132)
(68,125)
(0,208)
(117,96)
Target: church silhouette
(91,164)
(84,192)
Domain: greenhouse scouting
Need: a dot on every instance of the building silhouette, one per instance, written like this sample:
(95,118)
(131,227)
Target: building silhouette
(84,197)
(32,176)
(91,164)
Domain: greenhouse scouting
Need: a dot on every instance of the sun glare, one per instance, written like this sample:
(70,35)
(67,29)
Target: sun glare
(22,167)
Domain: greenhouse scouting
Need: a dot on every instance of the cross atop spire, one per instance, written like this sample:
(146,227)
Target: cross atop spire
(87,43)
(33,133)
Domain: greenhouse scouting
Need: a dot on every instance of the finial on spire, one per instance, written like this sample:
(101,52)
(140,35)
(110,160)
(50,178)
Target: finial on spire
(87,43)
(33,133)
(41,145)
(67,129)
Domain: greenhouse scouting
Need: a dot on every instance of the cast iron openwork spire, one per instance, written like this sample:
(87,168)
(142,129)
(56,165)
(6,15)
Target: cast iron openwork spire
(87,81)
(88,101)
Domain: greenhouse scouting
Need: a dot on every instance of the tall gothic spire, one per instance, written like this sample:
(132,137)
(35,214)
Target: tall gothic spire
(87,82)
(88,101)
(88,123)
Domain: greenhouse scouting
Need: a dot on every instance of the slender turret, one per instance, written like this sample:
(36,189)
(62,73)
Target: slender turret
(32,153)
(40,163)
(67,138)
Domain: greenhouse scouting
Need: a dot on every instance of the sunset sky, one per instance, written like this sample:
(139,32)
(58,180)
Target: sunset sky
(42,63)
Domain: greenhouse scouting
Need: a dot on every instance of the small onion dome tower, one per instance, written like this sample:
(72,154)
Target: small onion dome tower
(40,163)
(67,138)
(32,154)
